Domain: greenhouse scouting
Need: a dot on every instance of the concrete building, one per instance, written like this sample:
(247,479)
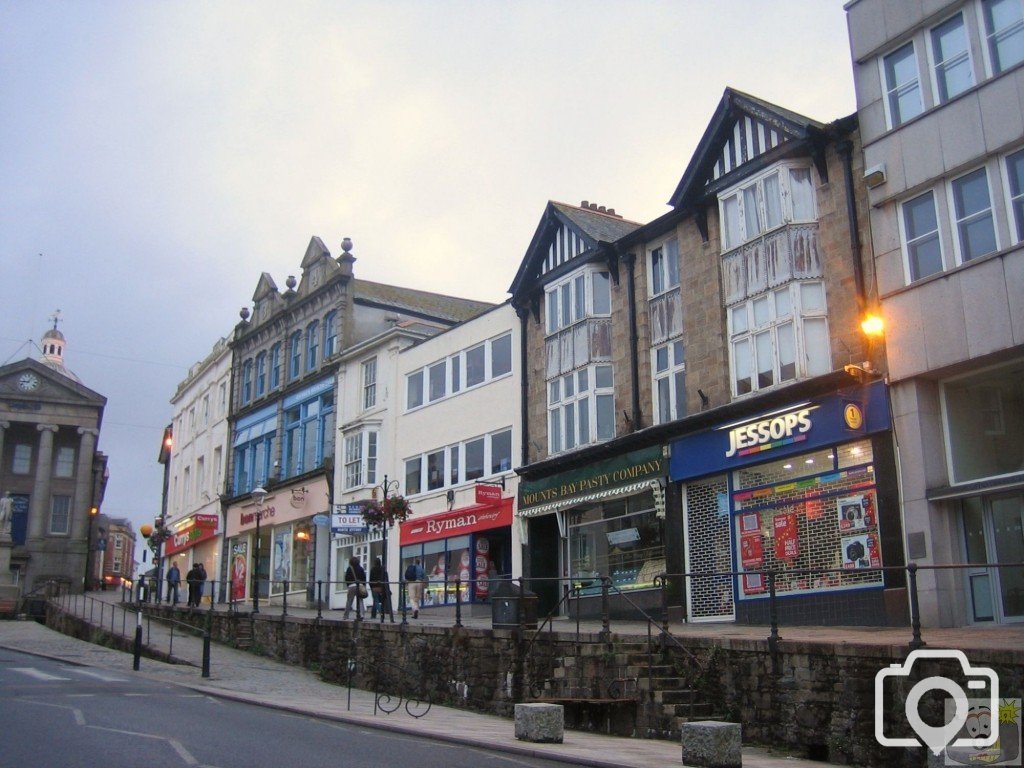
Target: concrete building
(50,469)
(198,460)
(286,355)
(940,89)
(457,438)
(689,408)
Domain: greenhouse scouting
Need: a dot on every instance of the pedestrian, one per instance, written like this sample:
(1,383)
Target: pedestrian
(377,588)
(201,583)
(355,581)
(414,578)
(173,583)
(191,578)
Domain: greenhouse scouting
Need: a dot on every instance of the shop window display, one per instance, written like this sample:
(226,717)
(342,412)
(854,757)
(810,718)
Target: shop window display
(807,512)
(622,539)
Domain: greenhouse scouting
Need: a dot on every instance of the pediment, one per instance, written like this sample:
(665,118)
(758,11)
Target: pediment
(744,133)
(315,251)
(30,381)
(264,286)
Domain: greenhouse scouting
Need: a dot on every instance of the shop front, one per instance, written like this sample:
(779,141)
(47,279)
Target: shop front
(807,493)
(461,551)
(273,545)
(351,537)
(602,519)
(193,540)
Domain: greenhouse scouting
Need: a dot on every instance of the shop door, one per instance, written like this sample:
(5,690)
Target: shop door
(545,543)
(994,533)
(708,535)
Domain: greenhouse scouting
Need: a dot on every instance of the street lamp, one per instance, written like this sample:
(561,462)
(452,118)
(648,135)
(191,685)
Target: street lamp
(388,521)
(259,495)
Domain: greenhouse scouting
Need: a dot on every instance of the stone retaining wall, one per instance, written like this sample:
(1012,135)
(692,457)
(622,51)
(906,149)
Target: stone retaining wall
(812,699)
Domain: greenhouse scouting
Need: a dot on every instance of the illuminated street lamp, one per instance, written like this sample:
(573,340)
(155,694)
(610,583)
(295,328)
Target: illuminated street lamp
(259,495)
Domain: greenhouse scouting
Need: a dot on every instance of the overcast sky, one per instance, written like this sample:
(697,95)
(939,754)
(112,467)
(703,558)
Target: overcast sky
(156,157)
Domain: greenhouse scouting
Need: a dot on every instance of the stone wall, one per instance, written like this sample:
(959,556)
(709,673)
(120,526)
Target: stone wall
(810,699)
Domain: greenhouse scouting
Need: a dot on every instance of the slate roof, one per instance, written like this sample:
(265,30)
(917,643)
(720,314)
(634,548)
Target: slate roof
(451,308)
(602,227)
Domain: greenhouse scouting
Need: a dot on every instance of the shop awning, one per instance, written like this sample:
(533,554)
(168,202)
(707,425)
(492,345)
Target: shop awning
(602,495)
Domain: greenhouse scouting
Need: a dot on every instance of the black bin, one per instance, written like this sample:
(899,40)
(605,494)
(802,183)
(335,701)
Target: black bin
(509,601)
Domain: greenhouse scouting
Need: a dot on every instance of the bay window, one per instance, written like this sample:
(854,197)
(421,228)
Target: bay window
(253,447)
(779,336)
(581,408)
(783,195)
(586,293)
(361,459)
(308,434)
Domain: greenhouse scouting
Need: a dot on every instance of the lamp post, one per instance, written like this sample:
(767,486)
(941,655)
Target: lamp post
(385,488)
(259,495)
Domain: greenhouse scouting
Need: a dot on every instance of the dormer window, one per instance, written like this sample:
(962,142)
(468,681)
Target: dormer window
(783,195)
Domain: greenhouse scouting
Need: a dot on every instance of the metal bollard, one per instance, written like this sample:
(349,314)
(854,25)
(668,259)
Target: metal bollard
(206,654)
(458,601)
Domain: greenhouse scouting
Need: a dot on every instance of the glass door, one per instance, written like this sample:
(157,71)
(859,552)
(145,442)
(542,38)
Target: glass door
(994,533)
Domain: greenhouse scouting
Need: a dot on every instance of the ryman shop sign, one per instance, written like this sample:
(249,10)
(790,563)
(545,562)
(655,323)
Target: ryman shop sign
(621,476)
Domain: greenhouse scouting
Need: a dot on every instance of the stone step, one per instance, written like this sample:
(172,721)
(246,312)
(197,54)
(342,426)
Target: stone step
(687,696)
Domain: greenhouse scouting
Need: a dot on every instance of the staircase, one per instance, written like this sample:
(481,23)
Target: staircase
(243,633)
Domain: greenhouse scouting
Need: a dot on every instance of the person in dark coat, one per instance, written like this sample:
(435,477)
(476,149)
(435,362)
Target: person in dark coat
(201,576)
(192,579)
(173,583)
(355,581)
(377,587)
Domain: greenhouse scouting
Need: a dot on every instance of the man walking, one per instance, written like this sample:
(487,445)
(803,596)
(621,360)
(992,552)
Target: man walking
(414,578)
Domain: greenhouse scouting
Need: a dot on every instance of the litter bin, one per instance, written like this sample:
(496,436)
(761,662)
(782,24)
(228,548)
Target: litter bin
(506,599)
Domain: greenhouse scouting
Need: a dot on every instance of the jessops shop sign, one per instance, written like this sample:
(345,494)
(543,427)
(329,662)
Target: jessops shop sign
(852,413)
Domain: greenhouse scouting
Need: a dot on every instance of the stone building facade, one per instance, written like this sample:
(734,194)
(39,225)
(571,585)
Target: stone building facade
(939,92)
(50,468)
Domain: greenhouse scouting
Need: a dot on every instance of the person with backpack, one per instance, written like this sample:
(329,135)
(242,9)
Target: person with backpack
(414,578)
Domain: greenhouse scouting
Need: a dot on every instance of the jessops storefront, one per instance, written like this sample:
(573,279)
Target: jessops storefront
(605,518)
(806,491)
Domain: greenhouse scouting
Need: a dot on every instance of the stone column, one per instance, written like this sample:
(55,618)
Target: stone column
(3,427)
(83,484)
(39,507)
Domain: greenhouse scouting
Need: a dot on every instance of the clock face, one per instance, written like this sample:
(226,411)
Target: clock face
(28,382)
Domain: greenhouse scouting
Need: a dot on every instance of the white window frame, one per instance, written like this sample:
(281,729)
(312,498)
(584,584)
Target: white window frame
(674,348)
(938,69)
(454,371)
(740,193)
(64,501)
(64,462)
(662,277)
(369,383)
(798,317)
(955,223)
(1016,227)
(454,457)
(362,451)
(987,42)
(904,239)
(575,403)
(888,92)
(577,289)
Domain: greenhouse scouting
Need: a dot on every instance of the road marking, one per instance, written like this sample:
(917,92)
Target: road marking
(105,676)
(79,717)
(38,674)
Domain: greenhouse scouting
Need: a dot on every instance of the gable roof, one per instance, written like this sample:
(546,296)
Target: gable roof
(744,133)
(422,304)
(564,233)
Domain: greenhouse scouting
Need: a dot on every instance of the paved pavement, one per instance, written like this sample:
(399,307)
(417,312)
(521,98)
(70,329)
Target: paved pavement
(244,677)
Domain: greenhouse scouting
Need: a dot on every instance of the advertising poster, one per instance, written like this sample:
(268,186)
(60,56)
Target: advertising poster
(751,546)
(482,564)
(787,537)
(239,570)
(856,513)
(753,583)
(282,554)
(860,551)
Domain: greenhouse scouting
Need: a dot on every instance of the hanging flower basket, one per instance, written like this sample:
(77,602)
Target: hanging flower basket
(394,509)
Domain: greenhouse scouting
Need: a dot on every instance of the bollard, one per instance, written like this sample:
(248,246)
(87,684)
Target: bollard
(458,601)
(403,596)
(915,615)
(206,654)
(284,598)
(138,641)
(319,599)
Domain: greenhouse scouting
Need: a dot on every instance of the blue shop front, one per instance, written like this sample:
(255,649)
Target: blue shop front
(807,492)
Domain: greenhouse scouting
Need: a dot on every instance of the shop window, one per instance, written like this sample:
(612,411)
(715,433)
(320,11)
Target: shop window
(622,539)
(984,419)
(60,515)
(64,466)
(805,514)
